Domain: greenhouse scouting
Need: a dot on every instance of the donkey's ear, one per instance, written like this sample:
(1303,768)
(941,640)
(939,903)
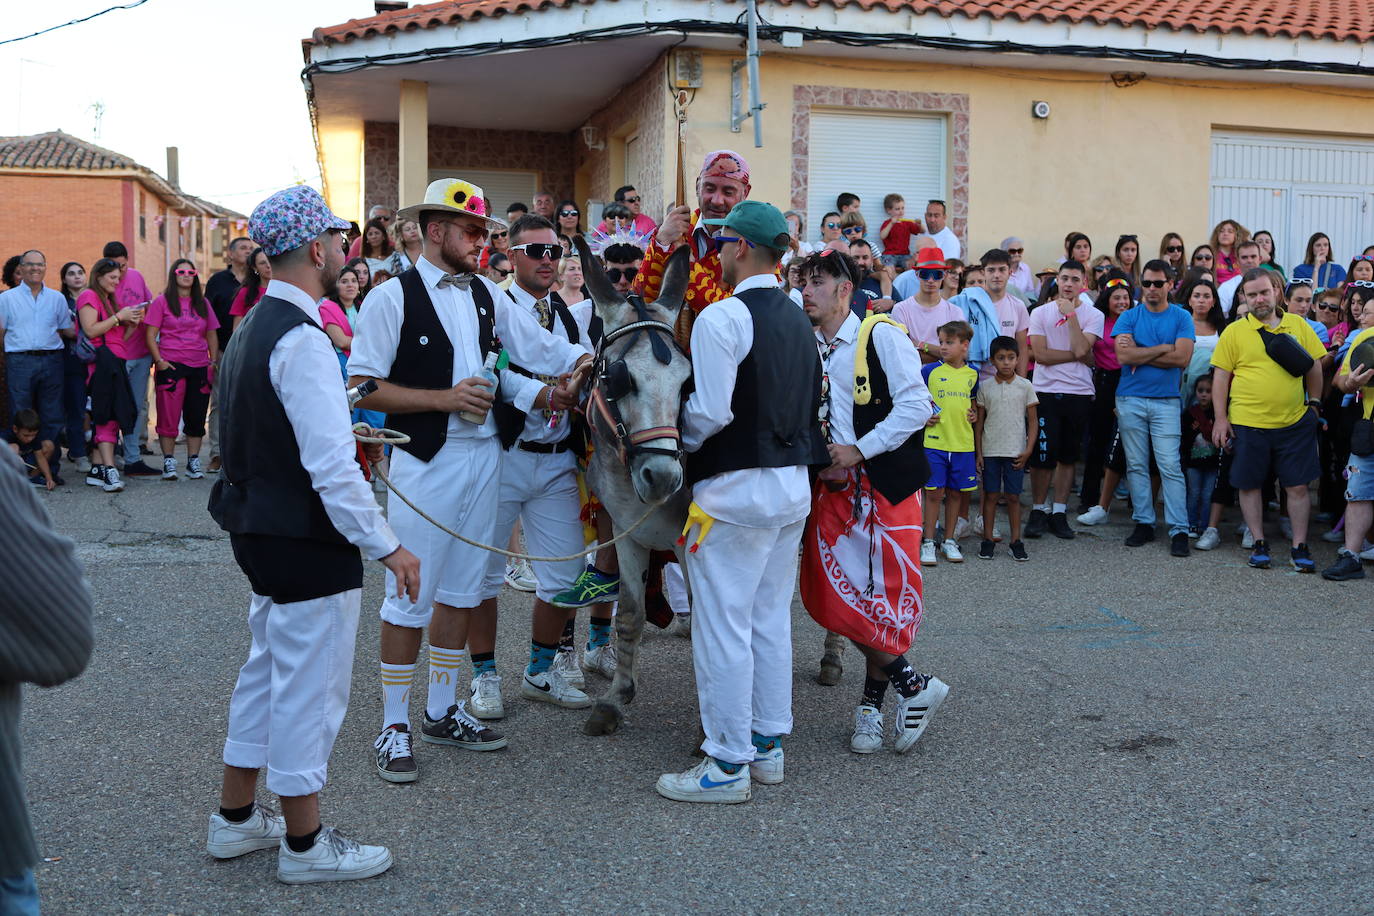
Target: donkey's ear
(675,276)
(609,303)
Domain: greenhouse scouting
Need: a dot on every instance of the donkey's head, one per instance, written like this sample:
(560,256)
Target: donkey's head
(641,376)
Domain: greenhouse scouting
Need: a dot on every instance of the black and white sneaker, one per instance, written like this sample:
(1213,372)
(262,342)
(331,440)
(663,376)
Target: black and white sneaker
(914,713)
(169,468)
(112,483)
(193,469)
(395,761)
(459,729)
(95,477)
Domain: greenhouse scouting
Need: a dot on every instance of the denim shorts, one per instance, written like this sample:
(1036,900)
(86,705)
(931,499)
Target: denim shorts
(1359,479)
(1000,477)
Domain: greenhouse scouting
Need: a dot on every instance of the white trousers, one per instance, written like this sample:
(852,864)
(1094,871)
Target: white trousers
(742,585)
(459,486)
(292,692)
(675,588)
(541,490)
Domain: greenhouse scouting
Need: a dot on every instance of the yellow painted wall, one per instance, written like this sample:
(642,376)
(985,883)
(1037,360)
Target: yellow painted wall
(341,152)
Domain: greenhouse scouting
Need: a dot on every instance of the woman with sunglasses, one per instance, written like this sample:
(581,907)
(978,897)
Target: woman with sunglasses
(569,219)
(1171,252)
(181,331)
(1265,239)
(1127,258)
(1318,264)
(254,285)
(1226,235)
(1077,247)
(1204,258)
(499,240)
(830,230)
(1104,462)
(498,269)
(1099,272)
(1361,268)
(1300,301)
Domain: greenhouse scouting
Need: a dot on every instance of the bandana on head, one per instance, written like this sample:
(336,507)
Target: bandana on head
(724,163)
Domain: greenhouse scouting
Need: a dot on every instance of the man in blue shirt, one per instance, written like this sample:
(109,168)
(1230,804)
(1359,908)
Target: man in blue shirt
(1154,342)
(33,323)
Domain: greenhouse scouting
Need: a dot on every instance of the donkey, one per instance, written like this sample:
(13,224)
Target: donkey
(636,395)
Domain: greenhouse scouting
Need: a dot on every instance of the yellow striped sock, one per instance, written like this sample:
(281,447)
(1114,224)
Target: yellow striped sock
(396,680)
(443,679)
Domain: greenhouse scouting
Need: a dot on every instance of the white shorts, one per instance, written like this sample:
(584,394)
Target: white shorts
(458,487)
(541,490)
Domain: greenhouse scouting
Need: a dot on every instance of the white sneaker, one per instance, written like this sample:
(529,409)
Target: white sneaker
(927,553)
(486,696)
(83,464)
(169,468)
(602,660)
(520,577)
(767,767)
(193,468)
(262,830)
(914,713)
(1286,527)
(961,529)
(112,482)
(551,687)
(1209,540)
(952,551)
(1094,516)
(706,782)
(334,857)
(1247,539)
(1367,554)
(1333,536)
(681,626)
(868,731)
(566,664)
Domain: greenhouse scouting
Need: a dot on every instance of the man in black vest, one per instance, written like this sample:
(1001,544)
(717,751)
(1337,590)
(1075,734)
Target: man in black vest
(425,337)
(297,511)
(538,483)
(861,570)
(752,424)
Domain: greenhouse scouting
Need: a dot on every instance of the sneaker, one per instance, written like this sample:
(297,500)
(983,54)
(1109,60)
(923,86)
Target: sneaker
(486,696)
(1037,524)
(1194,533)
(1259,555)
(590,587)
(1346,567)
(1059,527)
(868,731)
(1018,551)
(706,782)
(520,577)
(139,469)
(193,469)
(1094,516)
(961,529)
(767,766)
(83,464)
(567,665)
(459,729)
(334,857)
(264,829)
(1141,535)
(112,482)
(214,465)
(602,660)
(1247,537)
(1286,527)
(1178,545)
(95,477)
(1334,536)
(927,553)
(985,550)
(1208,540)
(914,713)
(681,626)
(1302,559)
(1367,554)
(169,468)
(952,552)
(550,687)
(395,760)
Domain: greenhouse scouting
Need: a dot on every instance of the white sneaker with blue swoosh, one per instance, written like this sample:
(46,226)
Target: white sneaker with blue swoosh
(706,782)
(767,766)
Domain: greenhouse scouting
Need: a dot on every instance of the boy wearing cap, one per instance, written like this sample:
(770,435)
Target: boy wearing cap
(297,510)
(752,428)
(926,312)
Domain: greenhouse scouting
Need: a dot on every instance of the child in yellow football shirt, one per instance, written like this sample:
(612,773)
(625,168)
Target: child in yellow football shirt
(949,437)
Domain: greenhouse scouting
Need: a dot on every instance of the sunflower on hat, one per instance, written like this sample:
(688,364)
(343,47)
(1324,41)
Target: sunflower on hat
(465,196)
(454,195)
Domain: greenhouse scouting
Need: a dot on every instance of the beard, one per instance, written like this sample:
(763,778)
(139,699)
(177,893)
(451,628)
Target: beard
(458,260)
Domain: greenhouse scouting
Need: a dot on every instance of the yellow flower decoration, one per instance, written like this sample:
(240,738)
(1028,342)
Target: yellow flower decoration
(465,196)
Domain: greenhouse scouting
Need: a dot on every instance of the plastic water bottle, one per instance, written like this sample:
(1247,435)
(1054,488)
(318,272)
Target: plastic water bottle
(489,373)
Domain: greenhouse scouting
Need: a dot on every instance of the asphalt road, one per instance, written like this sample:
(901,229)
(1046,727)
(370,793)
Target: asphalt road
(1126,732)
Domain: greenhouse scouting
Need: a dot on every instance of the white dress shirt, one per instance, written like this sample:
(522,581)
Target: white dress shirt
(31,322)
(901,364)
(948,243)
(722,336)
(299,367)
(521,390)
(377,335)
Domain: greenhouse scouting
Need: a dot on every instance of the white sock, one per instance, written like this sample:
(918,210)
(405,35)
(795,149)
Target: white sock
(1060,507)
(443,679)
(1042,507)
(396,681)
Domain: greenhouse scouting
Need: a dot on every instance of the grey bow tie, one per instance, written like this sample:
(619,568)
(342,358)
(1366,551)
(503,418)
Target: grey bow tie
(462,281)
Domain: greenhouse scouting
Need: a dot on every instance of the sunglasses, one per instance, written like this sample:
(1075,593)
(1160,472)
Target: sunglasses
(1112,284)
(1328,307)
(1364,257)
(1362,284)
(615,273)
(853,230)
(1016,251)
(632,200)
(1152,284)
(1202,257)
(931,274)
(499,235)
(832,225)
(1099,269)
(721,241)
(1126,238)
(1300,281)
(503,273)
(568,213)
(540,250)
(1174,249)
(186,271)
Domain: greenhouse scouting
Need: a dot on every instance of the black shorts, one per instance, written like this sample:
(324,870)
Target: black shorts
(1116,454)
(293,569)
(1063,420)
(1289,453)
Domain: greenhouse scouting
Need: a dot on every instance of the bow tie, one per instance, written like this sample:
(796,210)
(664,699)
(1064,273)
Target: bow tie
(462,281)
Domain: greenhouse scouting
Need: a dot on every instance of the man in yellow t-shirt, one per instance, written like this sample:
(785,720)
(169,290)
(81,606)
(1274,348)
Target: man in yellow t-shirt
(1267,416)
(949,437)
(1357,375)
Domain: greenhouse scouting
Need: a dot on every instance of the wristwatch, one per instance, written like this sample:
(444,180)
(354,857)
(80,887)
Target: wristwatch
(1315,404)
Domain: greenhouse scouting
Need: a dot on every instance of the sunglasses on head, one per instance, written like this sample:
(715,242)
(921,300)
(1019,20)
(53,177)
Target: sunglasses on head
(186,271)
(1016,251)
(1126,238)
(568,213)
(1300,281)
(1174,249)
(1112,284)
(615,273)
(1152,284)
(930,274)
(540,250)
(1364,257)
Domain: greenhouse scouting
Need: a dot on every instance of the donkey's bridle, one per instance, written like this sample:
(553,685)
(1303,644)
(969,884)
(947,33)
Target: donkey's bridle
(612,382)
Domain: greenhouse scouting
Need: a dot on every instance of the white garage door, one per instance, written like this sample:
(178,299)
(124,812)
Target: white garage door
(502,187)
(873,155)
(1296,185)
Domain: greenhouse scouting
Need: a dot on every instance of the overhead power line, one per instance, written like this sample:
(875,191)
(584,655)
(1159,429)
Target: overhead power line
(122,6)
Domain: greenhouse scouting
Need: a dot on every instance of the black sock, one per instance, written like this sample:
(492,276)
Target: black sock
(565,642)
(601,572)
(236,815)
(302,843)
(874,691)
(907,681)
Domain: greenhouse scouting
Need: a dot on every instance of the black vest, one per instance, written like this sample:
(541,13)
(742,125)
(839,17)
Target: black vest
(263,488)
(776,399)
(424,359)
(510,420)
(903,471)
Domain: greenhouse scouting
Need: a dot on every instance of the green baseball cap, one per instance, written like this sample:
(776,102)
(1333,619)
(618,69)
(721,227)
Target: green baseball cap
(760,223)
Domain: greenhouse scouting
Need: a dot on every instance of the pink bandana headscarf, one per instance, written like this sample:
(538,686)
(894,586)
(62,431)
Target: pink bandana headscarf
(724,163)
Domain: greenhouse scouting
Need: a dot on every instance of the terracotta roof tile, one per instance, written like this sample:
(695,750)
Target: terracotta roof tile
(56,150)
(1337,19)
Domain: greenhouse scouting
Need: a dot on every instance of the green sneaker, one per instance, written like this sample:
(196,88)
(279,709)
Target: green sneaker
(591,587)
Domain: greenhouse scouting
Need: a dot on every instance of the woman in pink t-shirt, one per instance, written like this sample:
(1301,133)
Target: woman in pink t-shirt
(113,328)
(1105,460)
(182,338)
(254,285)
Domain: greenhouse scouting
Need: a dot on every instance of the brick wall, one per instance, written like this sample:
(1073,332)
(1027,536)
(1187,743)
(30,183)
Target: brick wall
(68,219)
(640,106)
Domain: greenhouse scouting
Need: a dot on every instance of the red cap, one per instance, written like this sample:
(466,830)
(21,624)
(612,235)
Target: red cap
(930,259)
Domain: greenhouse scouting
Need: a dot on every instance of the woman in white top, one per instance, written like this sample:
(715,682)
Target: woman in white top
(1203,302)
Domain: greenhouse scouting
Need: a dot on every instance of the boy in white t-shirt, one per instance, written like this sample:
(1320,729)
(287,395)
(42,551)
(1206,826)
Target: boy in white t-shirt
(1005,434)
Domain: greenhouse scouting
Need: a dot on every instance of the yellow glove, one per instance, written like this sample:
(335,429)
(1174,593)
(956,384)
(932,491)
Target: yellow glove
(696,516)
